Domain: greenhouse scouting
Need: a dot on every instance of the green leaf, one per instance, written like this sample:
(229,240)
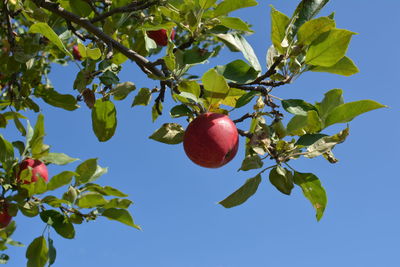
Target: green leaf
(155,113)
(297,106)
(89,171)
(215,85)
(45,30)
(236,24)
(345,67)
(238,71)
(300,125)
(52,97)
(58,158)
(306,10)
(60,180)
(86,169)
(18,124)
(6,150)
(36,188)
(142,98)
(106,190)
(196,56)
(233,96)
(310,30)
(36,143)
(37,252)
(279,22)
(312,190)
(109,78)
(91,200)
(245,99)
(236,43)
(20,146)
(54,202)
(326,144)
(227,6)
(80,8)
(29,209)
(122,90)
(329,48)
(348,111)
(83,78)
(205,4)
(180,111)
(251,163)
(76,219)
(191,87)
(309,139)
(59,222)
(93,53)
(243,193)
(120,215)
(118,203)
(104,119)
(282,179)
(52,251)
(169,133)
(332,99)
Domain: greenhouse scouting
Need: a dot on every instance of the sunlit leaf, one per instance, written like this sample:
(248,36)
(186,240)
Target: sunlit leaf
(120,215)
(310,30)
(44,29)
(243,193)
(312,190)
(329,48)
(169,133)
(227,6)
(104,119)
(37,253)
(279,22)
(348,111)
(282,179)
(345,67)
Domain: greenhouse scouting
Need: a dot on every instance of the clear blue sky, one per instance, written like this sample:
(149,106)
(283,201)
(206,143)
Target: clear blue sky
(175,200)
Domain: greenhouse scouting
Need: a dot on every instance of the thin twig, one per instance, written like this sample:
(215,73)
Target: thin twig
(135,6)
(271,70)
(244,133)
(245,116)
(160,97)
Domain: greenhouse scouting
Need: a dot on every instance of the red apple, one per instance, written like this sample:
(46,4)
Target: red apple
(76,53)
(211,140)
(38,168)
(5,218)
(160,36)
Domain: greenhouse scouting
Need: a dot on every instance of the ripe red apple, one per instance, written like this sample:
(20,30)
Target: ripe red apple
(211,140)
(160,36)
(76,53)
(5,217)
(38,168)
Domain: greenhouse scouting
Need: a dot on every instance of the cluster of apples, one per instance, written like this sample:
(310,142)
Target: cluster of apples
(38,169)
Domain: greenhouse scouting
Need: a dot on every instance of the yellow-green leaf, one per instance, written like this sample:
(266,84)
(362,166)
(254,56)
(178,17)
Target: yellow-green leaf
(45,30)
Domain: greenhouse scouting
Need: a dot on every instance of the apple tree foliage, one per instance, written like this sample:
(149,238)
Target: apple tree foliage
(36,34)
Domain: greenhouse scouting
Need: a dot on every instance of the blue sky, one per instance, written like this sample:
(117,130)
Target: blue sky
(175,200)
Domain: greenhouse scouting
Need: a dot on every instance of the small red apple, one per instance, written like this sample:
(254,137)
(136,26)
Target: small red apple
(38,168)
(160,36)
(211,140)
(76,53)
(5,217)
